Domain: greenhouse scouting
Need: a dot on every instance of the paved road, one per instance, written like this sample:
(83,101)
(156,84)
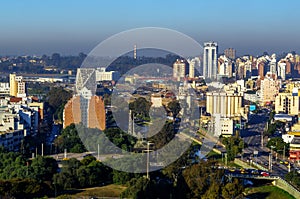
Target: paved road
(252,138)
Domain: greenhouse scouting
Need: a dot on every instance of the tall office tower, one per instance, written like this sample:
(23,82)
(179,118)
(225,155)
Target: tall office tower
(180,69)
(210,60)
(281,70)
(230,53)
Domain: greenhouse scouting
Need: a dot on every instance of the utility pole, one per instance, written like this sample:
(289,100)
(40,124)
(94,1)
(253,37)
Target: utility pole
(98,152)
(262,139)
(283,152)
(42,149)
(270,162)
(65,154)
(148,150)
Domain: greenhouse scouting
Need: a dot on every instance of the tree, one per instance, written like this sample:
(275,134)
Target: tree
(57,98)
(293,177)
(174,107)
(121,177)
(43,168)
(213,192)
(234,145)
(140,108)
(231,190)
(70,140)
(278,144)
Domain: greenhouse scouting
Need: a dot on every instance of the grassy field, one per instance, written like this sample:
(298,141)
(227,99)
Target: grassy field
(99,192)
(267,192)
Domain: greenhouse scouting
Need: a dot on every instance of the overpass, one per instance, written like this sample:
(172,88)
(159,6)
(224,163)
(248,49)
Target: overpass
(276,181)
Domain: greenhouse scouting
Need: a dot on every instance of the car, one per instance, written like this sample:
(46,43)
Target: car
(286,162)
(265,174)
(243,172)
(232,170)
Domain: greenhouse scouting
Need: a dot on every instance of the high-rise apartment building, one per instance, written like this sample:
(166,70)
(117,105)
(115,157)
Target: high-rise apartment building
(282,70)
(224,67)
(180,69)
(269,88)
(273,64)
(89,111)
(17,86)
(191,68)
(287,103)
(210,60)
(230,53)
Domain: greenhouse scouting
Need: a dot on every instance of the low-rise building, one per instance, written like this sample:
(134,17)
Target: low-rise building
(295,149)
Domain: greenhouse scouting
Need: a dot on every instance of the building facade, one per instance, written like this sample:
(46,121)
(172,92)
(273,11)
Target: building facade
(225,104)
(88,111)
(287,103)
(180,69)
(230,53)
(269,88)
(210,60)
(17,86)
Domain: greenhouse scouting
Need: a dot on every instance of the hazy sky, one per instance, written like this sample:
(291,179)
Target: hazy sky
(73,26)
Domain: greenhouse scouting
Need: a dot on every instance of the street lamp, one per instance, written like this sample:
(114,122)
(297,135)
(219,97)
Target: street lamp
(270,159)
(148,157)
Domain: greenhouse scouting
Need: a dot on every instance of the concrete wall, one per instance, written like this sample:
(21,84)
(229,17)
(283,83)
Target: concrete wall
(282,184)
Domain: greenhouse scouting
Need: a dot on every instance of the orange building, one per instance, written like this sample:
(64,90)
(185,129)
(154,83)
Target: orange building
(261,70)
(92,116)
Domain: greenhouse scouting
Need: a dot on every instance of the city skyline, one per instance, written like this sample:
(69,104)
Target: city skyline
(38,28)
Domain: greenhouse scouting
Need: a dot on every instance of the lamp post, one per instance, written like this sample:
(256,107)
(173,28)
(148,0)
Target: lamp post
(283,152)
(148,158)
(271,158)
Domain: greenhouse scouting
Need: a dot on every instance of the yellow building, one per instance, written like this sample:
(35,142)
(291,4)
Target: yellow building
(13,85)
(290,86)
(17,86)
(287,103)
(226,104)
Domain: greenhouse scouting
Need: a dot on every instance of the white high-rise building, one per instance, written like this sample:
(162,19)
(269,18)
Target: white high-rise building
(210,60)
(273,67)
(191,68)
(281,70)
(180,69)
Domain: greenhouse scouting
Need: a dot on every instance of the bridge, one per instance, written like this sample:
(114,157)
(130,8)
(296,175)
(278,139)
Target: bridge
(276,181)
(250,176)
